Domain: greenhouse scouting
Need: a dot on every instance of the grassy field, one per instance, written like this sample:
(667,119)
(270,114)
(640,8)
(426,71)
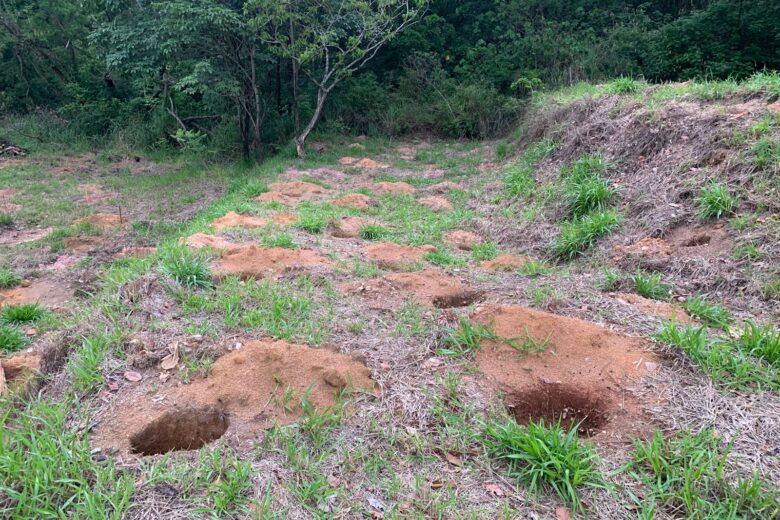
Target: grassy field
(598,341)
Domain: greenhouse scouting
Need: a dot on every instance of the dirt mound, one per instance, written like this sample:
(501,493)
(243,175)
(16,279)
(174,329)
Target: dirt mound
(436,203)
(13,237)
(93,193)
(84,244)
(233,219)
(366,164)
(354,200)
(249,389)
(62,262)
(430,287)
(50,293)
(283,219)
(460,239)
(348,227)
(321,174)
(201,240)
(655,308)
(442,188)
(506,262)
(103,221)
(18,372)
(702,241)
(249,261)
(291,193)
(393,188)
(396,256)
(581,366)
(136,252)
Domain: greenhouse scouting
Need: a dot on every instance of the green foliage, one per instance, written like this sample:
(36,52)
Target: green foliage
(610,280)
(687,474)
(484,251)
(651,286)
(520,177)
(715,201)
(23,313)
(374,232)
(185,267)
(6,219)
(713,314)
(579,234)
(281,240)
(585,189)
(760,342)
(545,457)
(8,278)
(465,340)
(86,363)
(766,153)
(444,258)
(623,85)
(11,339)
(311,223)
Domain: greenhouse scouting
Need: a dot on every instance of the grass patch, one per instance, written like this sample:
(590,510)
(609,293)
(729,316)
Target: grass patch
(714,315)
(11,339)
(8,278)
(585,189)
(623,85)
(86,364)
(686,477)
(579,234)
(610,280)
(715,201)
(24,313)
(651,286)
(185,267)
(484,251)
(284,240)
(374,232)
(6,219)
(465,340)
(766,153)
(520,177)
(761,342)
(533,268)
(444,258)
(545,458)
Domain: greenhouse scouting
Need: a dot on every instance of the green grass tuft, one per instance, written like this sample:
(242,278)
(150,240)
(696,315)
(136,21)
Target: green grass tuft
(520,177)
(281,240)
(445,258)
(24,313)
(6,219)
(374,232)
(715,201)
(465,340)
(585,189)
(623,85)
(545,458)
(761,342)
(766,153)
(579,234)
(11,339)
(651,286)
(314,224)
(185,267)
(484,251)
(8,278)
(714,315)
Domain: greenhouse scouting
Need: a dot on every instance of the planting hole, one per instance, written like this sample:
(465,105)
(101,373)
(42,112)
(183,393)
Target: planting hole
(552,403)
(183,429)
(698,240)
(461,299)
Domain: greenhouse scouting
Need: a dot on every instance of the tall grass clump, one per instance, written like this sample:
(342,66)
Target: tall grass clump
(623,85)
(8,278)
(520,177)
(715,201)
(579,234)
(185,267)
(586,190)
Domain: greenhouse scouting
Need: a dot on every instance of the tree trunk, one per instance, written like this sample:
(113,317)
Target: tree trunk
(300,140)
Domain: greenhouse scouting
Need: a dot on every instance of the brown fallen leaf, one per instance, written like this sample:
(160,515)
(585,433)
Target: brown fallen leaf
(494,489)
(113,387)
(133,376)
(170,361)
(454,459)
(562,513)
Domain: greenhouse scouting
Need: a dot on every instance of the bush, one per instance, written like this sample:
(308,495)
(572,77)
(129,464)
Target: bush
(715,201)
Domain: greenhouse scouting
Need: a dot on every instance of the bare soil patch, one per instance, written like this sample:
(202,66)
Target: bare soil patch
(48,292)
(584,372)
(393,188)
(291,193)
(396,256)
(104,221)
(506,262)
(699,241)
(250,261)
(430,287)
(436,203)
(84,244)
(655,308)
(201,240)
(460,239)
(365,163)
(19,371)
(443,187)
(248,390)
(355,200)
(14,237)
(233,220)
(348,227)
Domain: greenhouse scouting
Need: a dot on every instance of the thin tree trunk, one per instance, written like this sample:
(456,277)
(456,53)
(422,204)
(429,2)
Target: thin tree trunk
(300,140)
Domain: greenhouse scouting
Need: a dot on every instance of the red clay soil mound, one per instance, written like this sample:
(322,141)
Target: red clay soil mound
(18,372)
(506,262)
(389,255)
(702,241)
(201,240)
(581,375)
(103,221)
(460,239)
(354,200)
(430,287)
(436,203)
(249,261)
(393,188)
(84,244)
(290,193)
(248,390)
(48,292)
(348,227)
(235,220)
(13,237)
(655,308)
(366,164)
(443,187)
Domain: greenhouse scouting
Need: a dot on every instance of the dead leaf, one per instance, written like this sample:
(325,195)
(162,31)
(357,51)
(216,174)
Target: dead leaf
(31,332)
(494,489)
(133,376)
(334,481)
(113,387)
(454,459)
(164,376)
(562,513)
(170,361)
(437,484)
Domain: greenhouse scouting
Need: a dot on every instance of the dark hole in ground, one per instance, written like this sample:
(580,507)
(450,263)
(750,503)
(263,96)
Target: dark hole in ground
(456,300)
(685,195)
(698,240)
(553,403)
(181,429)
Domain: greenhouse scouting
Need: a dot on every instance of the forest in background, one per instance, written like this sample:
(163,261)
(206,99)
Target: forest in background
(249,76)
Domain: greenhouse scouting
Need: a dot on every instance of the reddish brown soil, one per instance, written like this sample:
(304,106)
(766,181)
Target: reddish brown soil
(247,386)
(354,200)
(233,219)
(103,220)
(13,237)
(50,293)
(348,227)
(84,244)
(655,308)
(290,193)
(62,262)
(430,287)
(366,164)
(395,256)
(249,261)
(93,193)
(583,374)
(283,219)
(393,188)
(443,187)
(506,262)
(135,252)
(704,241)
(201,240)
(18,372)
(436,203)
(460,239)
